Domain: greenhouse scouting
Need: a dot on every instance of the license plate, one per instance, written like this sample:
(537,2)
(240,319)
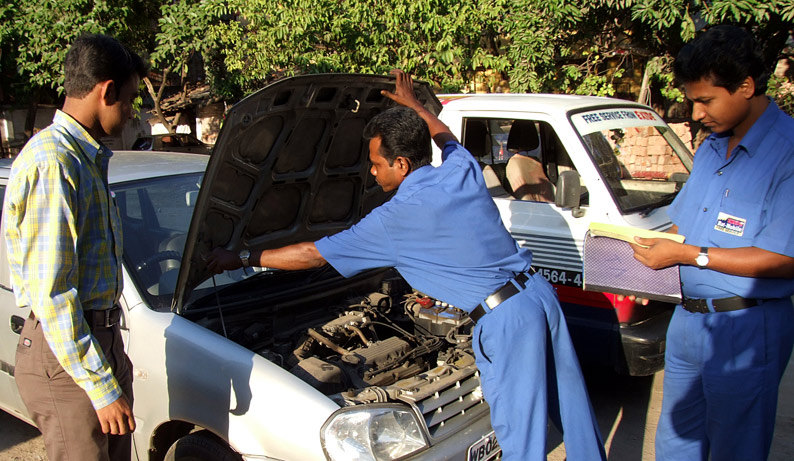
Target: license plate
(484,449)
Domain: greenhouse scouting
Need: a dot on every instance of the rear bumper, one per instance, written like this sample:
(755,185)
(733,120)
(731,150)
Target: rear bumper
(644,344)
(629,348)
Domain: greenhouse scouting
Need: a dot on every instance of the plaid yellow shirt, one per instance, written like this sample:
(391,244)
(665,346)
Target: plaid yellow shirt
(63,233)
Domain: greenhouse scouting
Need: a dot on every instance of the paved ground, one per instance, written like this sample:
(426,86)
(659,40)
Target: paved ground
(627,410)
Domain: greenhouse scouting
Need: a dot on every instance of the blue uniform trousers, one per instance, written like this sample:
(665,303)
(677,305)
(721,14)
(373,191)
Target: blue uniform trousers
(721,377)
(526,360)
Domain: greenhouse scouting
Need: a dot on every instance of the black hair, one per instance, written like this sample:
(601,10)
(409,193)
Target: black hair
(726,55)
(96,58)
(402,133)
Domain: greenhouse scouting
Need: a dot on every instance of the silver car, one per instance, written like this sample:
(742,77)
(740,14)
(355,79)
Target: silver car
(267,364)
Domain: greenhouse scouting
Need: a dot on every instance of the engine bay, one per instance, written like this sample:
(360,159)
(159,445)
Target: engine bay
(378,347)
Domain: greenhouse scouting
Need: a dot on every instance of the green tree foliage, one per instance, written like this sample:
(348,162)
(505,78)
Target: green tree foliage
(438,40)
(570,46)
(182,42)
(36,34)
(675,22)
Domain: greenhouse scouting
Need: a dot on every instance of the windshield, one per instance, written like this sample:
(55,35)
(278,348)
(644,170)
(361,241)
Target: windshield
(155,215)
(639,157)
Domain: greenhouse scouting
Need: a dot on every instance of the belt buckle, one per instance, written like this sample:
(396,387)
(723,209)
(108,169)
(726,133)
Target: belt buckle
(106,318)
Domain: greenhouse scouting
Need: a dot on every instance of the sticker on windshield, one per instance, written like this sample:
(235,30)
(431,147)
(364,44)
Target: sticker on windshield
(605,119)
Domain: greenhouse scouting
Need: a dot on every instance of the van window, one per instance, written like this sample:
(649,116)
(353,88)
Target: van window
(521,159)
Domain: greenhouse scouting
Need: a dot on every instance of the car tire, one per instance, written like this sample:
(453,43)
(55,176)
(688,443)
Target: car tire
(201,446)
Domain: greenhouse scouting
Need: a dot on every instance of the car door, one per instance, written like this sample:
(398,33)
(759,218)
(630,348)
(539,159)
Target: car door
(13,318)
(523,151)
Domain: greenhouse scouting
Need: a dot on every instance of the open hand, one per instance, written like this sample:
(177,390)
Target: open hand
(403,91)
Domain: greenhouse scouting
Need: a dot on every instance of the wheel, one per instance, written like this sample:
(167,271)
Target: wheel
(201,446)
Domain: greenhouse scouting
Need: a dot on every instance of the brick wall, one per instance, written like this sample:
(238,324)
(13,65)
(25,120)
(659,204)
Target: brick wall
(646,154)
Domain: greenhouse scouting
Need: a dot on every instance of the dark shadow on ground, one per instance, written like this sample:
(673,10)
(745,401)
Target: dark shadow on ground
(15,431)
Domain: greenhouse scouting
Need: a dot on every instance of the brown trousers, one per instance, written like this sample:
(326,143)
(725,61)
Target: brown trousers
(60,408)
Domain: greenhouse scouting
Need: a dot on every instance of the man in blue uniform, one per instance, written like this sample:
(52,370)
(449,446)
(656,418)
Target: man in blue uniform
(729,342)
(443,233)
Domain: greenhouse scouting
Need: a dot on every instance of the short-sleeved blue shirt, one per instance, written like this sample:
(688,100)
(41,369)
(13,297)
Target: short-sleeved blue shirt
(442,232)
(744,201)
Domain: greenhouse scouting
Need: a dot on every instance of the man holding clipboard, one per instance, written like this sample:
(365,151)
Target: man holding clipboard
(729,341)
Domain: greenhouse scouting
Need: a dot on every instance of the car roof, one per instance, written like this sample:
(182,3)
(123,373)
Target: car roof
(135,164)
(132,165)
(533,102)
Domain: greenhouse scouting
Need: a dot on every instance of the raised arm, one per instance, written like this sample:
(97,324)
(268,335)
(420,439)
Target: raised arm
(404,96)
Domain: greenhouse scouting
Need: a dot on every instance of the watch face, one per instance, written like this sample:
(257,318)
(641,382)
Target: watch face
(702,260)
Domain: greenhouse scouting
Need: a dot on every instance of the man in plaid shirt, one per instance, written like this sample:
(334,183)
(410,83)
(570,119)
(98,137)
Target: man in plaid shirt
(63,233)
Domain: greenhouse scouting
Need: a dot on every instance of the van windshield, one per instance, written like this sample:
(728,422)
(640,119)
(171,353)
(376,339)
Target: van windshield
(638,156)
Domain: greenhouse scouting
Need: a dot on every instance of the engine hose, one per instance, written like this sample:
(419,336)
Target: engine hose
(358,331)
(327,342)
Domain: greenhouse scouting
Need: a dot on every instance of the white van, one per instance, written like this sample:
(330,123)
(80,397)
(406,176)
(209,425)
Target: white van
(556,163)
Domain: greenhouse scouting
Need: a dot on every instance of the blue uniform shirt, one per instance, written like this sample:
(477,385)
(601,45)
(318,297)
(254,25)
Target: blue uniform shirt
(441,231)
(745,201)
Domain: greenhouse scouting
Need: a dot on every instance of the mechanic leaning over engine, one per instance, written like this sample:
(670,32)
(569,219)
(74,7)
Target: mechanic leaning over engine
(443,233)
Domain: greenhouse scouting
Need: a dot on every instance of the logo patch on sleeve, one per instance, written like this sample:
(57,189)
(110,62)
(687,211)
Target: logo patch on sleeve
(26,342)
(730,224)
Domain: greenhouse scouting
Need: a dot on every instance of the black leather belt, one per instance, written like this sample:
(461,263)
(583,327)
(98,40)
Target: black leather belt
(97,319)
(734,303)
(501,295)
(104,318)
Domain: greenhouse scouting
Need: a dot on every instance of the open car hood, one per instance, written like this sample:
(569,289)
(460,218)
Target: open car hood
(290,165)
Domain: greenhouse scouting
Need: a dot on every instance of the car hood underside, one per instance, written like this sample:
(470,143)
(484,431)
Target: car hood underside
(290,165)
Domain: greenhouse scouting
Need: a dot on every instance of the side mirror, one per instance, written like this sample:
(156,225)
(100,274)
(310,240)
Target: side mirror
(679,179)
(569,190)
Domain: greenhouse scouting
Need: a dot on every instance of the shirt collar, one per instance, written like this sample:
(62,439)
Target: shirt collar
(758,132)
(414,177)
(90,146)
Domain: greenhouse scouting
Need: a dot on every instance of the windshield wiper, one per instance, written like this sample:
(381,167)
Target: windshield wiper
(666,199)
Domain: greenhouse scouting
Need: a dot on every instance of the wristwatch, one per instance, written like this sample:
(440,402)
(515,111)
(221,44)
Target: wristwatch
(702,259)
(244,255)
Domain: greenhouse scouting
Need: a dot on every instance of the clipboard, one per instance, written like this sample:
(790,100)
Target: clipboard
(609,266)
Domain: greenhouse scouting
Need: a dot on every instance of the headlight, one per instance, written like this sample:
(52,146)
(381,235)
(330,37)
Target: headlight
(372,433)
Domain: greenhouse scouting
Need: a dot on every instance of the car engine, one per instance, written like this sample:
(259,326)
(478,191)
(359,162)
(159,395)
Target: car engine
(373,342)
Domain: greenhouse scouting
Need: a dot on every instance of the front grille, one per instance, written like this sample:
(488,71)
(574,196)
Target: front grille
(456,402)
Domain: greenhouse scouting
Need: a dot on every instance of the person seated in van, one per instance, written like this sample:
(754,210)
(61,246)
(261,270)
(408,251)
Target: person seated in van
(528,179)
(525,173)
